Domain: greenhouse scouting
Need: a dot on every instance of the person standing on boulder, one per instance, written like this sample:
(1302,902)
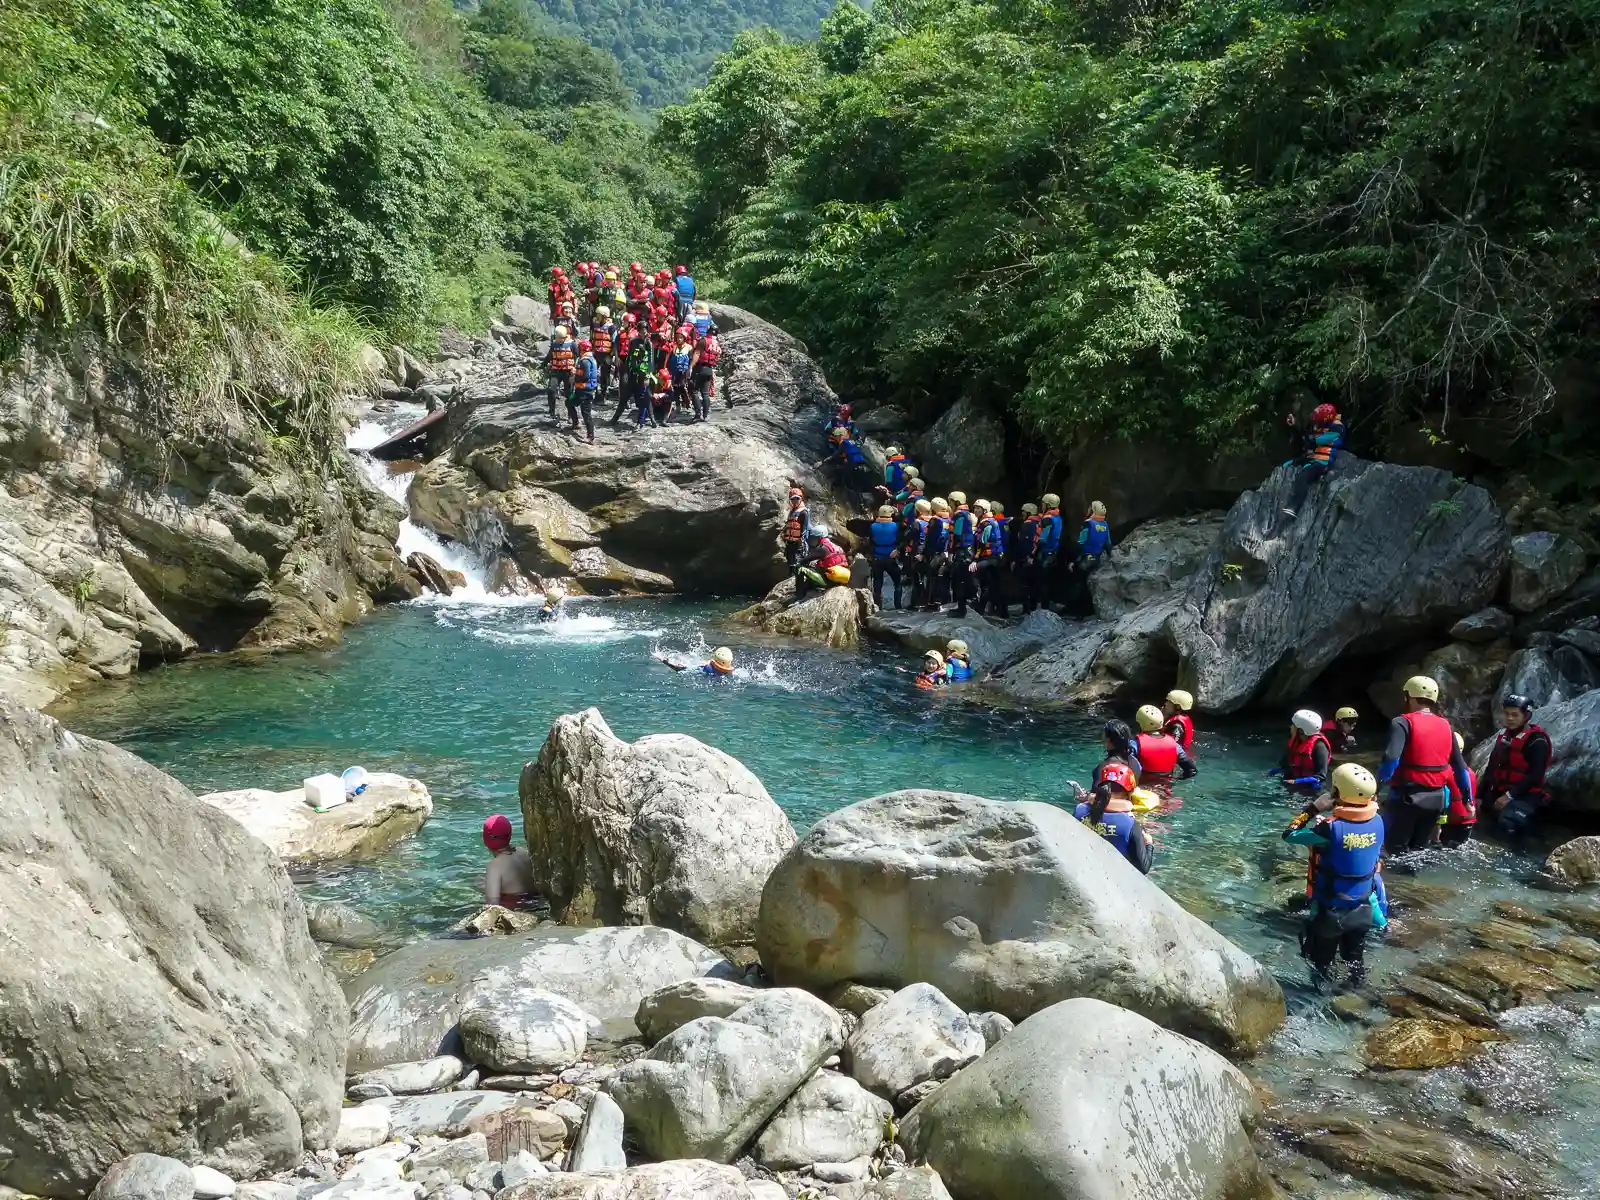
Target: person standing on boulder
(935,557)
(963,539)
(913,536)
(796,530)
(1421,764)
(885,535)
(1514,779)
(1317,451)
(1094,538)
(989,549)
(560,366)
(1046,549)
(603,336)
(683,289)
(703,371)
(1343,883)
(508,881)
(587,380)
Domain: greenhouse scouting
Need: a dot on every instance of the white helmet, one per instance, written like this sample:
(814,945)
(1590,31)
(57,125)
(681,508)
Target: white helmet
(1307,722)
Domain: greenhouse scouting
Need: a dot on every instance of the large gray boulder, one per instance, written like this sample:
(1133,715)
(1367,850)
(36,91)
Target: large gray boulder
(705,1089)
(1155,560)
(832,617)
(831,1119)
(662,1012)
(1574,776)
(1379,556)
(1088,1100)
(1543,566)
(407,1007)
(965,449)
(913,1036)
(146,1177)
(1009,907)
(510,1028)
(1469,677)
(161,992)
(690,507)
(1124,661)
(663,831)
(391,809)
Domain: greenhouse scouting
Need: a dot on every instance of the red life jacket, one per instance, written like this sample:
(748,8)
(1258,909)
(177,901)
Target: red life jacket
(1459,813)
(1508,762)
(1158,757)
(792,527)
(1181,726)
(600,335)
(561,356)
(832,556)
(625,337)
(928,682)
(710,351)
(1426,760)
(1301,760)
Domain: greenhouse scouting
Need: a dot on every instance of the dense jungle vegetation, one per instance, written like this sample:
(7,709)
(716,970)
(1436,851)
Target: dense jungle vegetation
(1178,217)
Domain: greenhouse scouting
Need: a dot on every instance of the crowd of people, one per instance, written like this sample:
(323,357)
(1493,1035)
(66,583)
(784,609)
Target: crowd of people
(649,333)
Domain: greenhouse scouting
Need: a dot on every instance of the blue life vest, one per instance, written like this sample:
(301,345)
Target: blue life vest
(852,453)
(1347,868)
(894,474)
(938,537)
(1116,827)
(1097,536)
(885,537)
(992,535)
(685,286)
(1004,524)
(965,531)
(916,533)
(589,371)
(701,323)
(958,669)
(1050,533)
(678,362)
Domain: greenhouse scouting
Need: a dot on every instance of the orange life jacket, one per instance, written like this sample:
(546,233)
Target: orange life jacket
(600,335)
(562,356)
(793,526)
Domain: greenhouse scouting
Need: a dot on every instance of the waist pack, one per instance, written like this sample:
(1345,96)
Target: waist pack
(1433,800)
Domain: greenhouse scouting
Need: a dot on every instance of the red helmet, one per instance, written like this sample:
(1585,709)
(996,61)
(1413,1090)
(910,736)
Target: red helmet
(844,410)
(635,267)
(556,272)
(664,375)
(682,270)
(1118,775)
(633,318)
(585,346)
(497,832)
(1324,414)
(685,330)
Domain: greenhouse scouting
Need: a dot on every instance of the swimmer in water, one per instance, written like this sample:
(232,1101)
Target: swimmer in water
(509,878)
(720,666)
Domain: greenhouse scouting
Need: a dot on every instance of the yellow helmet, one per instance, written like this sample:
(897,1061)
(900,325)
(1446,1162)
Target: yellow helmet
(912,472)
(1180,699)
(954,647)
(941,505)
(1149,718)
(958,498)
(997,508)
(1031,509)
(1420,687)
(980,506)
(891,451)
(1352,781)
(602,311)
(723,657)
(1345,714)
(923,508)
(611,276)
(1050,500)
(934,657)
(1097,508)
(1461,743)
(561,334)
(885,511)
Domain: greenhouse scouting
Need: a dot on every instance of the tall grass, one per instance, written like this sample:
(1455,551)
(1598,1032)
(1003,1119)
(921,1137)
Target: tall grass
(98,236)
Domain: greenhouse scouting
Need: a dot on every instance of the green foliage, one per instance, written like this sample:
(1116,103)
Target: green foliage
(521,66)
(1173,219)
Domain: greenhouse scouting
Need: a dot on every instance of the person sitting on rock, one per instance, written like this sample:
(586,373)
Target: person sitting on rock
(1317,451)
(560,366)
(1178,721)
(1343,883)
(1514,779)
(826,562)
(508,881)
(885,538)
(1421,765)
(1308,759)
(958,661)
(932,676)
(719,667)
(1160,754)
(661,393)
(1341,731)
(1108,810)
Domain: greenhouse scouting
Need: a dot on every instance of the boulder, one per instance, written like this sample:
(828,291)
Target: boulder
(1543,566)
(1486,625)
(1009,907)
(965,449)
(833,617)
(1535,673)
(990,644)
(407,1007)
(393,807)
(525,312)
(513,1029)
(1086,1099)
(692,1179)
(598,1146)
(134,916)
(1154,561)
(993,1026)
(1576,862)
(705,1089)
(212,1184)
(361,1128)
(663,831)
(908,1183)
(701,505)
(145,1176)
(1574,728)
(454,1160)
(914,1036)
(1140,480)
(662,1012)
(1380,556)
(340,925)
(410,1078)
(830,1119)
(461,1114)
(1468,675)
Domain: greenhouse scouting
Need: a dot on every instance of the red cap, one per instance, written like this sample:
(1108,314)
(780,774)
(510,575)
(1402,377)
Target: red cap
(633,318)
(497,832)
(683,270)
(1324,412)
(585,346)
(1118,775)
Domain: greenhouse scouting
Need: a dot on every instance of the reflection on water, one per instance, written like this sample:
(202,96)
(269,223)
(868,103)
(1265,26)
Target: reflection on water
(461,693)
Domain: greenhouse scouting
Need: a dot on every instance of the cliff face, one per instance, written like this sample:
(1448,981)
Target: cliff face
(121,546)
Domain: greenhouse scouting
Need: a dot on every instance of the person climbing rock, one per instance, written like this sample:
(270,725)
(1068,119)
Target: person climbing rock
(934,562)
(1047,549)
(840,419)
(683,291)
(1308,758)
(908,499)
(508,880)
(796,530)
(1108,810)
(1024,546)
(1341,730)
(603,337)
(963,540)
(932,675)
(1161,756)
(1317,450)
(1420,764)
(1514,789)
(703,371)
(1347,901)
(885,534)
(989,549)
(848,460)
(585,385)
(720,666)
(1179,723)
(560,367)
